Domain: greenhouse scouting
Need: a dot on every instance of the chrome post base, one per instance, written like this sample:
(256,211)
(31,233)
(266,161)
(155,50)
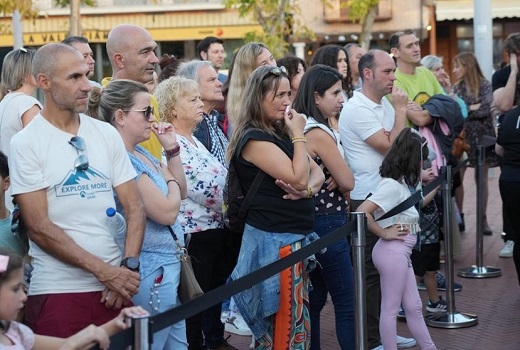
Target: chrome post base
(480,272)
(453,320)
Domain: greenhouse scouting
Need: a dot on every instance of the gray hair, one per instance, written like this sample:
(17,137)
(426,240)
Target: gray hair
(190,69)
(16,67)
(431,62)
(168,93)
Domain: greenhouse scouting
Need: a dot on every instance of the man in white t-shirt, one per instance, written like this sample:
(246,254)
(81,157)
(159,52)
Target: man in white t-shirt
(65,168)
(368,125)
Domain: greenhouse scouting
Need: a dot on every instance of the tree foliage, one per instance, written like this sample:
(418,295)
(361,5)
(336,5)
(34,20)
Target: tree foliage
(25,7)
(65,3)
(364,12)
(278,19)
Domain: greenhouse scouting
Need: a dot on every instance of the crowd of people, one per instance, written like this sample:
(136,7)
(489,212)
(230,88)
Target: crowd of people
(355,130)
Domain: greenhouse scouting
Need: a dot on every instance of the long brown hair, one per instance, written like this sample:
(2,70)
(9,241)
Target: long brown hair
(472,75)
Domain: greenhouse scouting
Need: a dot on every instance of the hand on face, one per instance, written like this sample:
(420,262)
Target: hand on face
(398,98)
(166,134)
(295,122)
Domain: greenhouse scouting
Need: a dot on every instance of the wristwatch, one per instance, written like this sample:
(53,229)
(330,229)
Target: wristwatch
(131,263)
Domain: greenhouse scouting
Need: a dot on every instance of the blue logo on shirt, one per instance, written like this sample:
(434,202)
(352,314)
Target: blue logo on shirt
(83,183)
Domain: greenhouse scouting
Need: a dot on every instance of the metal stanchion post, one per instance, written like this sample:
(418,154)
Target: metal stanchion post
(452,318)
(142,338)
(358,257)
(478,270)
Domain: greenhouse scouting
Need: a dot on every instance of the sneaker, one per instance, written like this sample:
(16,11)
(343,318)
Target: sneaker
(441,283)
(235,324)
(401,314)
(507,251)
(380,347)
(438,307)
(224,345)
(405,343)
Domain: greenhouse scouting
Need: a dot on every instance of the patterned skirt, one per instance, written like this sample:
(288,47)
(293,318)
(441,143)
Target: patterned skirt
(290,327)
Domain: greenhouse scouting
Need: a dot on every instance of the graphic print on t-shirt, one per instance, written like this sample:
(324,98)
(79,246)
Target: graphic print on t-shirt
(83,183)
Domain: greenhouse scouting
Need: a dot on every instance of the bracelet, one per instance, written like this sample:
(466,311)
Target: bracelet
(309,192)
(299,139)
(173,180)
(174,152)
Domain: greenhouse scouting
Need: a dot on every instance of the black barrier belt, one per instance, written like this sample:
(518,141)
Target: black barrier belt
(209,299)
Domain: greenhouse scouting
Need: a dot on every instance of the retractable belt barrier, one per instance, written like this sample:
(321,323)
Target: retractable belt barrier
(141,332)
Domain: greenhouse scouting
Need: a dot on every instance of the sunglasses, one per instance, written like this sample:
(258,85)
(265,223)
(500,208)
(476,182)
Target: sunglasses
(278,71)
(15,221)
(81,163)
(147,112)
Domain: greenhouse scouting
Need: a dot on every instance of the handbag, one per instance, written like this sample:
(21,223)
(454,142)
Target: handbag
(189,288)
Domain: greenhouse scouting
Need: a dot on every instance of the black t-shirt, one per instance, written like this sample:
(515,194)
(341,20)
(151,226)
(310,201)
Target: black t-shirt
(500,78)
(269,211)
(509,138)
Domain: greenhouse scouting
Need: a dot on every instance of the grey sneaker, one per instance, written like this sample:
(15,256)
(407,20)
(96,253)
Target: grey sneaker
(507,251)
(441,284)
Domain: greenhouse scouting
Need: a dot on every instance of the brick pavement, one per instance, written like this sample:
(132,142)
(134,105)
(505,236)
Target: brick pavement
(496,301)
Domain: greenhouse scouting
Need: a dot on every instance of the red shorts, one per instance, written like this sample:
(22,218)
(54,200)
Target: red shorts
(62,315)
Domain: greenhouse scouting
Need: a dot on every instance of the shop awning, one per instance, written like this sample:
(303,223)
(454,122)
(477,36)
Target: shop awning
(448,10)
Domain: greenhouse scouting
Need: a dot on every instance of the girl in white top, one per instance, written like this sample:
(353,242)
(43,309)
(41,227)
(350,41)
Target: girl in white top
(16,336)
(400,170)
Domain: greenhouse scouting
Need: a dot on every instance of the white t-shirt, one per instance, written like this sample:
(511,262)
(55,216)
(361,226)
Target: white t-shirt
(361,118)
(12,107)
(388,194)
(42,158)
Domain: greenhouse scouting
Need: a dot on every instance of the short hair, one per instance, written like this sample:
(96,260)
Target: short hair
(291,64)
(46,58)
(204,44)
(168,93)
(4,166)
(118,94)
(394,38)
(512,43)
(190,69)
(317,79)
(368,60)
(431,62)
(169,65)
(349,46)
(74,39)
(16,67)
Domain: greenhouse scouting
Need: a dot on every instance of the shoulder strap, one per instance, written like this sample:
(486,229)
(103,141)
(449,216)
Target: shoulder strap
(250,193)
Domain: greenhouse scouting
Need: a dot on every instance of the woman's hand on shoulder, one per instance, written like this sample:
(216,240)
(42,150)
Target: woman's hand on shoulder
(295,122)
(165,133)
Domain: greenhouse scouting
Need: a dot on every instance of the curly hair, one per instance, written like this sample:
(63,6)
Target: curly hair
(403,160)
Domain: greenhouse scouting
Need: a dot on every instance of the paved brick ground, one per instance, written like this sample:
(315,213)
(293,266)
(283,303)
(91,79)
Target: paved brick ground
(495,301)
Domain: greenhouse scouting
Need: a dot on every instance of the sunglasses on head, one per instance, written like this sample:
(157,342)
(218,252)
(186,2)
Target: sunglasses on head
(278,71)
(147,111)
(81,163)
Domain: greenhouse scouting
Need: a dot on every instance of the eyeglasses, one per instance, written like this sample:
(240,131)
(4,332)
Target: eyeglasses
(81,163)
(147,112)
(15,221)
(278,71)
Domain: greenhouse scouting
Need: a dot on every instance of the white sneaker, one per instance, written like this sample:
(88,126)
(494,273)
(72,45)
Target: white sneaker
(235,324)
(507,250)
(404,343)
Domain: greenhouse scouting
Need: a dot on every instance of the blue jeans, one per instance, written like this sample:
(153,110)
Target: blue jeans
(334,276)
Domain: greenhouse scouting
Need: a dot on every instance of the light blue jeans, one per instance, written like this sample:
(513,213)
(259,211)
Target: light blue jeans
(173,337)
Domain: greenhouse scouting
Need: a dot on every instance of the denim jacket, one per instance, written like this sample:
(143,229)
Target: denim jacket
(260,248)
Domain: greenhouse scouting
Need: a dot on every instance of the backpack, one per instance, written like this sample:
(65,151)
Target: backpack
(237,200)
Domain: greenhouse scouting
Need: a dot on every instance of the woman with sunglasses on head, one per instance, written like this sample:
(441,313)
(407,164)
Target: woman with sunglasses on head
(201,216)
(18,106)
(126,105)
(269,137)
(320,98)
(400,170)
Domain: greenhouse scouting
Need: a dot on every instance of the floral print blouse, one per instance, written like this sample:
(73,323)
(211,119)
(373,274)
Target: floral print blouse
(205,177)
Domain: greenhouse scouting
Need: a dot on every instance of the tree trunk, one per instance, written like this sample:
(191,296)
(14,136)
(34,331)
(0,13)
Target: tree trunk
(75,18)
(366,27)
